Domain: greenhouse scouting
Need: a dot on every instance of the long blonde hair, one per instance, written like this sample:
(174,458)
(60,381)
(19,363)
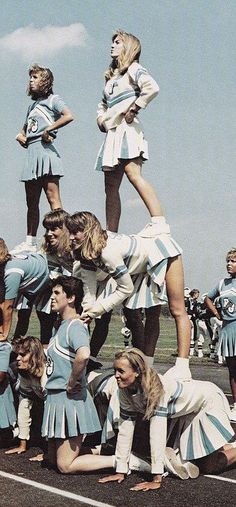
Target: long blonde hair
(148,379)
(130,53)
(95,238)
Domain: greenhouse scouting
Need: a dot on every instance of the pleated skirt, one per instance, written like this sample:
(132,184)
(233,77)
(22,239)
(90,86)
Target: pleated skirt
(42,160)
(227,340)
(149,286)
(7,408)
(123,142)
(68,416)
(201,433)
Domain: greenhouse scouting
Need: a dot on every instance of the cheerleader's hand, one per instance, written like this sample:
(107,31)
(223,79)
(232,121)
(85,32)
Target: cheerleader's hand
(180,371)
(146,486)
(131,113)
(86,319)
(22,139)
(111,478)
(46,138)
(100,124)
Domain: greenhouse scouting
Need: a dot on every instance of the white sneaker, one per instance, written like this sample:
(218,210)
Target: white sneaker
(184,469)
(200,353)
(233,414)
(172,464)
(24,247)
(139,464)
(152,230)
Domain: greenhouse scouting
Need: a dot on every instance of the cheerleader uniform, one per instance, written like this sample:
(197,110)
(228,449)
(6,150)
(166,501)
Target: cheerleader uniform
(67,415)
(7,409)
(25,274)
(138,266)
(199,422)
(43,159)
(225,293)
(123,140)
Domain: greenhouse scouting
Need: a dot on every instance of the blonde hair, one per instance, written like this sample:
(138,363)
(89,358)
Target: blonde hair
(95,238)
(129,54)
(231,253)
(46,81)
(4,253)
(33,346)
(148,379)
(51,221)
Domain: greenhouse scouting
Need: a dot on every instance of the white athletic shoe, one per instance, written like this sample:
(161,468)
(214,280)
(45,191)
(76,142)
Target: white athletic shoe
(200,354)
(152,230)
(24,247)
(173,465)
(139,464)
(181,468)
(233,414)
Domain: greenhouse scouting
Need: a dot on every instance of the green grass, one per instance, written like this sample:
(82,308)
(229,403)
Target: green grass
(166,345)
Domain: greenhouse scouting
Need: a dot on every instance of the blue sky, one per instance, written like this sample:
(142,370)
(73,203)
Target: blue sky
(189,47)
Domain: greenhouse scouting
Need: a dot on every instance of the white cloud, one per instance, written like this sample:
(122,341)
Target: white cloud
(32,43)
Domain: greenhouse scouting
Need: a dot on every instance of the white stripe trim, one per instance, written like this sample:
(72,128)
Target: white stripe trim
(225,479)
(56,491)
(63,352)
(14,270)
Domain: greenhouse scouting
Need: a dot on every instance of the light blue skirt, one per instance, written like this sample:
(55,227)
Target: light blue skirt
(42,160)
(7,408)
(227,341)
(66,416)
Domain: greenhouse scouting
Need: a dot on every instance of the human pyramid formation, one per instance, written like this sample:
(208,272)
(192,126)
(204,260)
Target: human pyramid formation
(82,272)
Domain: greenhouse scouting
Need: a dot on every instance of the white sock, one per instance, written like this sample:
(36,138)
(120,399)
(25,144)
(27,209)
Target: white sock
(149,360)
(158,220)
(139,464)
(31,240)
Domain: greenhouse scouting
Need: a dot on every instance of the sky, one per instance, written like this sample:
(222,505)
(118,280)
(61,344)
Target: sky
(188,46)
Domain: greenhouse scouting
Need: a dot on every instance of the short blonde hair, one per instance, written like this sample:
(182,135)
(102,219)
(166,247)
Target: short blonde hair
(148,379)
(31,345)
(130,53)
(231,253)
(46,81)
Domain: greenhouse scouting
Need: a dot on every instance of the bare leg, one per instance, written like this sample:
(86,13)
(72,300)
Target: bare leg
(175,293)
(69,461)
(231,363)
(147,193)
(51,188)
(100,333)
(113,180)
(33,191)
(152,329)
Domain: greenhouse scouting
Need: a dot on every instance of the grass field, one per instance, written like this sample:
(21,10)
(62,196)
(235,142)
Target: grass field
(166,346)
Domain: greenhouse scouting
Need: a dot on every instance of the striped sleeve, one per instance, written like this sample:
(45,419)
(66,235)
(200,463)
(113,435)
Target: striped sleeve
(147,85)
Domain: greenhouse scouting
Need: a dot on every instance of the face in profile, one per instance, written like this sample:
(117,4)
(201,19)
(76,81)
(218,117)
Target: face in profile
(124,373)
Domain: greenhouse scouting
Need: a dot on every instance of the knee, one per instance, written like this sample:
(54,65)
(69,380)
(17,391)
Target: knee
(177,310)
(63,467)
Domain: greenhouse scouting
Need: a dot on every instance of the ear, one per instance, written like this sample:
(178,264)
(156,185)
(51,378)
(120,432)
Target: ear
(71,299)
